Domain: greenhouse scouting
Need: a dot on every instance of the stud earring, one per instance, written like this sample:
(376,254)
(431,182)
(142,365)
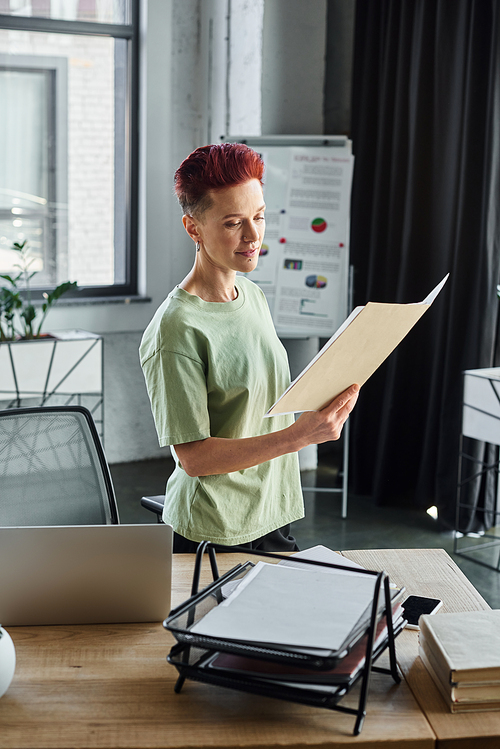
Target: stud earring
(197,246)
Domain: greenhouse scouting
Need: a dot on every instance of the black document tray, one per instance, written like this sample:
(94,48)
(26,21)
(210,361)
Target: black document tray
(194,652)
(190,662)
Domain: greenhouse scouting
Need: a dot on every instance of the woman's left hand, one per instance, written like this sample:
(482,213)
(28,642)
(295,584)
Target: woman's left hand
(216,455)
(315,427)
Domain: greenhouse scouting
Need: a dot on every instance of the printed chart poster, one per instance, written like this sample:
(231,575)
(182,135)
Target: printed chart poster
(275,191)
(265,274)
(313,263)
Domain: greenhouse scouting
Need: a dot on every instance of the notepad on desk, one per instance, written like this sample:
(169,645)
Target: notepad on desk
(353,353)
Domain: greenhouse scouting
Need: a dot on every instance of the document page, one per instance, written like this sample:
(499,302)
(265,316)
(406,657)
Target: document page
(316,553)
(352,354)
(321,554)
(294,607)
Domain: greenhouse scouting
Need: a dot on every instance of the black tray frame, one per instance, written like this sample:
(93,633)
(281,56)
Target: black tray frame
(180,653)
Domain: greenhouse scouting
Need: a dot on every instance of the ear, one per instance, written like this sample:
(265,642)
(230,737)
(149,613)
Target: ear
(191,226)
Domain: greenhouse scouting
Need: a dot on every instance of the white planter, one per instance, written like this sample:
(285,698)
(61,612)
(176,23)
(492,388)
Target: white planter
(63,369)
(7,661)
(70,362)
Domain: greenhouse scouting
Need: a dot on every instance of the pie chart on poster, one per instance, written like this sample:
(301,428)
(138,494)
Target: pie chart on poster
(264,250)
(316,282)
(318,225)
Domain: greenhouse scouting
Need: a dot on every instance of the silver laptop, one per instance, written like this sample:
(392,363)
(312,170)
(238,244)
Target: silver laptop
(85,574)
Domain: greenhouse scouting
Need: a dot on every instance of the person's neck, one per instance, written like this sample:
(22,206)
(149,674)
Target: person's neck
(211,287)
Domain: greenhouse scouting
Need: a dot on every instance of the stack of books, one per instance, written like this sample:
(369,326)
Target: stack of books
(461,651)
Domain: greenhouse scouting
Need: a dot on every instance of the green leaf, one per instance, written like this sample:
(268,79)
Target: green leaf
(54,295)
(10,279)
(28,314)
(11,298)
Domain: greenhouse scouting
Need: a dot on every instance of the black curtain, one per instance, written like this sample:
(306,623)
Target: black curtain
(425,202)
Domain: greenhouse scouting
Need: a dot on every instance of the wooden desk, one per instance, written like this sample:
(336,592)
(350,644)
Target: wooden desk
(109,686)
(431,572)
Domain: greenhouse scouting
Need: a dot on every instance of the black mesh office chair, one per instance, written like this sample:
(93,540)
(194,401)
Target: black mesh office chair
(53,470)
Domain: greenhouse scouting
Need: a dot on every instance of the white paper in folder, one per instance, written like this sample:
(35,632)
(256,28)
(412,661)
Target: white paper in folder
(352,354)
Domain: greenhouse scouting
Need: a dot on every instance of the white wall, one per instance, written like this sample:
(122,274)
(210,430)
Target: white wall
(293,67)
(293,79)
(200,76)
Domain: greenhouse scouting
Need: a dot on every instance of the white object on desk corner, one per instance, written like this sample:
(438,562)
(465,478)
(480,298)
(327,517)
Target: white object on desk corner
(320,554)
(7,660)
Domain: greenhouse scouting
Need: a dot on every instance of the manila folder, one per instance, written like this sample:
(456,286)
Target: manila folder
(352,354)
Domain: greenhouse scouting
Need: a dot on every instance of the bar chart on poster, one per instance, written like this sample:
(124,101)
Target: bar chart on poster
(303,266)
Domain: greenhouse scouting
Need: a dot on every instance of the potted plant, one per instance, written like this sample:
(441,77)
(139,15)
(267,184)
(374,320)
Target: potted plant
(44,368)
(16,306)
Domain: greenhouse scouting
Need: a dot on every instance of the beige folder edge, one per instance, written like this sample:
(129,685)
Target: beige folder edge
(352,354)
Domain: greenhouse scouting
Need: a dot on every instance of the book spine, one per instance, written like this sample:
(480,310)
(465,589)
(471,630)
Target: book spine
(443,674)
(463,692)
(443,690)
(434,646)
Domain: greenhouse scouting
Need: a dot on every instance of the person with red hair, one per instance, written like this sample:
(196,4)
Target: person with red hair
(214,365)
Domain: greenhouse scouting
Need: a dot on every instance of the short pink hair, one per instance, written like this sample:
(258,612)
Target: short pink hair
(211,168)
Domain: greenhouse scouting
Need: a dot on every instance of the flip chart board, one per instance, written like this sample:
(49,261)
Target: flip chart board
(304,262)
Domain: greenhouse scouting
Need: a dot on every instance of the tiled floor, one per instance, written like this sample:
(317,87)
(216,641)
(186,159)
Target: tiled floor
(366,526)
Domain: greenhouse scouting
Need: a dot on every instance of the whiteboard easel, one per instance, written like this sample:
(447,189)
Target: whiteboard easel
(276,150)
(303,267)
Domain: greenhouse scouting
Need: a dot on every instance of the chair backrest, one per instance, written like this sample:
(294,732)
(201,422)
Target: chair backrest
(52,469)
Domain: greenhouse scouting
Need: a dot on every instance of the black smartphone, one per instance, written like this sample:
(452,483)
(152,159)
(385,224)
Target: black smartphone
(414,606)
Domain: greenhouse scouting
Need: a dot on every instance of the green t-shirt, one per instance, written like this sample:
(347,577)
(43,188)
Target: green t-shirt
(214,369)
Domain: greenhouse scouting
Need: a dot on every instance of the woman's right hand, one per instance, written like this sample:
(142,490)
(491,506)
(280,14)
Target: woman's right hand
(315,427)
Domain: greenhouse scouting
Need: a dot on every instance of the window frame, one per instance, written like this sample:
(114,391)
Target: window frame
(130,33)
(56,69)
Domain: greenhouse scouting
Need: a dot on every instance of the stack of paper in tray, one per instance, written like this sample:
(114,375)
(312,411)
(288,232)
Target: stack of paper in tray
(294,631)
(294,605)
(461,651)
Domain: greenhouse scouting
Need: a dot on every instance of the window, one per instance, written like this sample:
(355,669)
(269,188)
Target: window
(68,145)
